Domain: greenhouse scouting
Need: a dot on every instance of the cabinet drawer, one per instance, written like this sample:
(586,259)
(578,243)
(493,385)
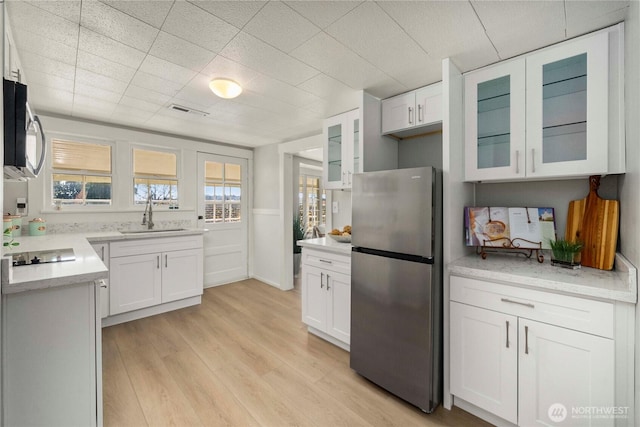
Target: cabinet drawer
(327,261)
(594,317)
(154,245)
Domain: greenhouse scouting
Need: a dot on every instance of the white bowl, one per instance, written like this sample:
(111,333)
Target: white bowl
(340,238)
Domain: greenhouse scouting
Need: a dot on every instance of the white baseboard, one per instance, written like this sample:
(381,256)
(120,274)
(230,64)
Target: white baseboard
(329,338)
(267,281)
(481,413)
(151,311)
(225,282)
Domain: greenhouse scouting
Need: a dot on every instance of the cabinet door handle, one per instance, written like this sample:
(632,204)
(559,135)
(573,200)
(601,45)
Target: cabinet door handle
(410,119)
(517,162)
(526,340)
(321,280)
(326,261)
(102,252)
(349,176)
(533,160)
(420,114)
(507,333)
(328,282)
(343,173)
(158,262)
(510,301)
(166,260)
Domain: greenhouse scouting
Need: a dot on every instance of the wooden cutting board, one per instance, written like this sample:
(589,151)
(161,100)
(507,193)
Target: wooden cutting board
(573,231)
(599,229)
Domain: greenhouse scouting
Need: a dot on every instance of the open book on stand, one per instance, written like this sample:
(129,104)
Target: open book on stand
(509,227)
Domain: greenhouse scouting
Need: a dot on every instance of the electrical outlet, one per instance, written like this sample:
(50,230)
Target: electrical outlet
(335,207)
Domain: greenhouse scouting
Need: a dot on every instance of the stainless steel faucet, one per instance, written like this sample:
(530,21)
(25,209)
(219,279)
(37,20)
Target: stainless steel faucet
(148,207)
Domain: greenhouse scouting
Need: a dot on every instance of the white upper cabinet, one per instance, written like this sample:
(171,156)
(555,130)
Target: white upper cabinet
(495,122)
(553,113)
(417,108)
(342,149)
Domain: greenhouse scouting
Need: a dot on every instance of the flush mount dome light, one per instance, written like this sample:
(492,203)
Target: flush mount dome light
(225,88)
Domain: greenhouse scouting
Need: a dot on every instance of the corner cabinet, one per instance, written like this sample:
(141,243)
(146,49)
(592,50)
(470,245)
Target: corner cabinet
(326,295)
(516,352)
(421,107)
(149,272)
(550,114)
(342,149)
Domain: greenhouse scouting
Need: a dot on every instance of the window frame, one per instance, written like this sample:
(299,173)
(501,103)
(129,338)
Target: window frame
(224,202)
(131,177)
(49,204)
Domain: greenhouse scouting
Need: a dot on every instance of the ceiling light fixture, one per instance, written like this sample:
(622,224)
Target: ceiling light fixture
(225,88)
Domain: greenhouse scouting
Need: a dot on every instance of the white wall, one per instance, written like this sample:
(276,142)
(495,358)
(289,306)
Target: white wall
(343,217)
(123,214)
(554,194)
(629,183)
(267,230)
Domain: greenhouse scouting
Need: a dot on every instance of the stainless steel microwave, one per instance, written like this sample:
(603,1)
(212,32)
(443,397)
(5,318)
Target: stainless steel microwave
(24,139)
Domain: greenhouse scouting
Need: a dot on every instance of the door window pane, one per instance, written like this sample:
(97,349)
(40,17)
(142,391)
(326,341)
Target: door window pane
(222,192)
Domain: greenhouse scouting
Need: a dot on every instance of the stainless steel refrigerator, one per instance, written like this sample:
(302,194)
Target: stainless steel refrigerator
(396,282)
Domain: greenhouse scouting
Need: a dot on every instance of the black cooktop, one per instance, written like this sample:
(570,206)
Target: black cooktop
(43,257)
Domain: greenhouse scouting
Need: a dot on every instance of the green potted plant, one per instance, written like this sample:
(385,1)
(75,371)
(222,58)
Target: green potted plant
(566,253)
(298,234)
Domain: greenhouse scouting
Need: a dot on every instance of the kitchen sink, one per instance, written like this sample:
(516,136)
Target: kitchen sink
(160,230)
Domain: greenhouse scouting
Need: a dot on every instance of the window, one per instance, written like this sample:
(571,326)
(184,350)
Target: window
(312,201)
(155,174)
(222,192)
(81,173)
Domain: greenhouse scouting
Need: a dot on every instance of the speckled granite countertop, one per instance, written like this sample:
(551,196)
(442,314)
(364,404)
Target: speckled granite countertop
(620,284)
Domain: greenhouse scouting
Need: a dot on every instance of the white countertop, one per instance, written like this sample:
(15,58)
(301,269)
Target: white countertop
(87,266)
(326,244)
(619,284)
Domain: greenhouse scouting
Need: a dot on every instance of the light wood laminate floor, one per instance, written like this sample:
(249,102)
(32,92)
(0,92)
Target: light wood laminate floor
(243,358)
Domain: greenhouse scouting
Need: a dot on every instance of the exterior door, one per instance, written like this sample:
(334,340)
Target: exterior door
(222,209)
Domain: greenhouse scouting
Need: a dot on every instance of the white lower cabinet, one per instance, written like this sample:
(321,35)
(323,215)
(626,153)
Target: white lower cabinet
(531,357)
(52,357)
(145,273)
(484,359)
(326,294)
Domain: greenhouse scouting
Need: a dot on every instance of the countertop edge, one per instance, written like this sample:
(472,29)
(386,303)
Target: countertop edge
(58,282)
(323,244)
(625,271)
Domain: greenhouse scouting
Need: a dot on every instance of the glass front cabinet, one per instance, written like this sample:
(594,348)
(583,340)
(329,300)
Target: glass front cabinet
(342,149)
(543,115)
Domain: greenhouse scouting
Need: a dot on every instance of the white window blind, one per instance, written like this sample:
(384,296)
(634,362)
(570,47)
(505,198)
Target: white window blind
(81,156)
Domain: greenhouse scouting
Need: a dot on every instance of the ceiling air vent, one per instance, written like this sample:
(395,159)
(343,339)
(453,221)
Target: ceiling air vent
(184,109)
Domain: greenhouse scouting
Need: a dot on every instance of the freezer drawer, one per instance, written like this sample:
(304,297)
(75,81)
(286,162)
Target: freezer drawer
(395,327)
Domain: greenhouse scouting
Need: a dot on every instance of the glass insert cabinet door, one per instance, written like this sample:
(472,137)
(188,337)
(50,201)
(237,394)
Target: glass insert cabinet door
(567,108)
(494,122)
(335,135)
